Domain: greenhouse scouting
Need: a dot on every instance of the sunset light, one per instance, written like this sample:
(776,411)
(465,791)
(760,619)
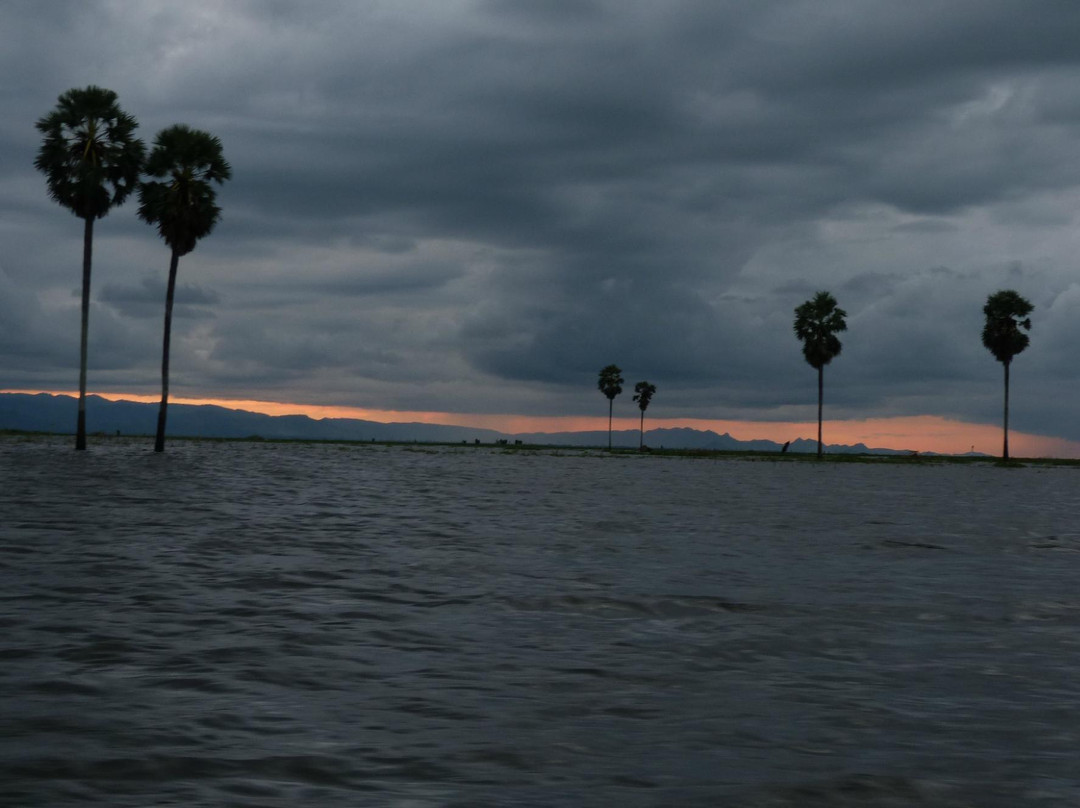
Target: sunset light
(923,433)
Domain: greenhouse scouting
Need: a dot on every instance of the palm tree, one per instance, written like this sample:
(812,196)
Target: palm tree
(1006,313)
(643,393)
(183,208)
(91,160)
(610,384)
(817,322)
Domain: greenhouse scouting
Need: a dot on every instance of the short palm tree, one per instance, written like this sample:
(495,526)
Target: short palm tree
(610,384)
(91,160)
(643,393)
(817,322)
(1006,313)
(180,200)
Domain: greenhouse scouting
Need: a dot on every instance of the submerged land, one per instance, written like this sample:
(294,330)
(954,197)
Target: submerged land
(556,450)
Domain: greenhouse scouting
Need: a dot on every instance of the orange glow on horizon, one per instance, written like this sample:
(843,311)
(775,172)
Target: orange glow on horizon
(924,433)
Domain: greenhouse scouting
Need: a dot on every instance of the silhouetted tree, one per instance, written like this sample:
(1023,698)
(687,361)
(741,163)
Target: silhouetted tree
(184,209)
(817,322)
(1006,313)
(91,160)
(643,393)
(610,384)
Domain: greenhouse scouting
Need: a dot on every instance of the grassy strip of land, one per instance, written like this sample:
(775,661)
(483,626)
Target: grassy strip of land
(599,451)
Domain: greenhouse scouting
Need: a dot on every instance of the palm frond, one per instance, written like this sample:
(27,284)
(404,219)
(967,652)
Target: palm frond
(817,321)
(181,201)
(1006,320)
(89,153)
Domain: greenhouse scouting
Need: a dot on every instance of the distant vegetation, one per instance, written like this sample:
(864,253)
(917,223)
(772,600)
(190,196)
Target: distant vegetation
(610,384)
(817,321)
(643,393)
(1006,314)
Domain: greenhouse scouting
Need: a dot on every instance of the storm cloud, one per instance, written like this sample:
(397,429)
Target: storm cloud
(473,206)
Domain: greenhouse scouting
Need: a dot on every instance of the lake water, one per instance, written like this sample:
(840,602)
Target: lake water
(332,625)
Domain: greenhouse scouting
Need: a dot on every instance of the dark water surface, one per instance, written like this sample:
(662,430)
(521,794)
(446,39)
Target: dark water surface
(320,625)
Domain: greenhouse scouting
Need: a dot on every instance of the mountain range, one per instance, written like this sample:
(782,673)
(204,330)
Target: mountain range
(43,412)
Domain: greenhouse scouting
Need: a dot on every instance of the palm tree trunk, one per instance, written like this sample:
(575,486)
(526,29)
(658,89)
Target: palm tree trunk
(159,441)
(610,405)
(641,432)
(1005,445)
(820,396)
(88,243)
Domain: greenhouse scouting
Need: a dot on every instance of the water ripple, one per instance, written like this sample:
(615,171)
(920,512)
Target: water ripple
(276,625)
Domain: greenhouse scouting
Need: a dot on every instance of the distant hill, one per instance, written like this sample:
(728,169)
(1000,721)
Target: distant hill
(685,438)
(48,413)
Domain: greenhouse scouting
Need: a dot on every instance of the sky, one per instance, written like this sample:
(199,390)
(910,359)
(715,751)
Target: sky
(463,209)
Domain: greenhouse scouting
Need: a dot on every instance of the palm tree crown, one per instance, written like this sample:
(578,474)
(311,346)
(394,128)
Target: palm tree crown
(183,206)
(817,322)
(1006,313)
(643,393)
(610,381)
(89,153)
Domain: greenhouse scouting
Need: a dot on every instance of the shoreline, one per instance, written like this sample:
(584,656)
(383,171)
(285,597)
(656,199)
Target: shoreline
(7,435)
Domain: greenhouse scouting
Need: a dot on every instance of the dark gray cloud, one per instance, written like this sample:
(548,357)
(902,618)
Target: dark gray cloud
(146,298)
(474,205)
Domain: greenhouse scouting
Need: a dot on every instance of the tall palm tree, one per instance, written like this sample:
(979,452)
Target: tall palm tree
(181,202)
(817,322)
(610,384)
(1006,313)
(643,393)
(91,160)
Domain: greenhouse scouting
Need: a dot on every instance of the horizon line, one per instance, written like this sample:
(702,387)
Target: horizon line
(921,433)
